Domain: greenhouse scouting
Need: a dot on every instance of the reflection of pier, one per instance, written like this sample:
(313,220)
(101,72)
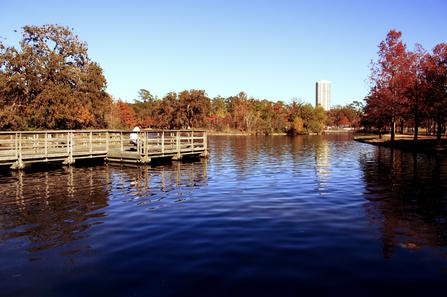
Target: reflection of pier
(20,148)
(53,208)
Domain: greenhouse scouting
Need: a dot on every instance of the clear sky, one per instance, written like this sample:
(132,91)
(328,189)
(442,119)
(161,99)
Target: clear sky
(270,49)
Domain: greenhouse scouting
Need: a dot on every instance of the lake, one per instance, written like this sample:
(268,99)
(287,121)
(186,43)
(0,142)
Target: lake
(263,216)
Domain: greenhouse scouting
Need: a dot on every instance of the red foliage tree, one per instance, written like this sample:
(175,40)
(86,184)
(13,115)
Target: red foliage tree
(125,114)
(436,75)
(391,78)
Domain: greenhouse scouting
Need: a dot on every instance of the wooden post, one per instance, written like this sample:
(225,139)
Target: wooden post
(192,141)
(68,143)
(205,145)
(91,142)
(163,142)
(11,142)
(145,151)
(177,142)
(19,163)
(16,145)
(177,156)
(139,143)
(146,143)
(121,141)
(71,147)
(107,141)
(46,145)
(70,160)
(20,150)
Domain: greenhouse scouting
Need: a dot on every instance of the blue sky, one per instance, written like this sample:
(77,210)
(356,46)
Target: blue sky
(269,49)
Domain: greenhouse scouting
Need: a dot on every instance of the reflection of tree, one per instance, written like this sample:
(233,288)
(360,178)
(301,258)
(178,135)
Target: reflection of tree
(52,209)
(407,198)
(246,152)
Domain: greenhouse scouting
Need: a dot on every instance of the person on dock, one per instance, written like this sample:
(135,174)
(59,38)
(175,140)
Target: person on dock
(134,136)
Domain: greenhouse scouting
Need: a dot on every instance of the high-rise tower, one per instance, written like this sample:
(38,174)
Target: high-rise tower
(323,94)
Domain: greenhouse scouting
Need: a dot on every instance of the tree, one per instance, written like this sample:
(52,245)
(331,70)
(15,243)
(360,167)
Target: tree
(297,126)
(219,118)
(166,113)
(436,75)
(145,96)
(391,79)
(375,110)
(145,108)
(50,82)
(319,118)
(125,114)
(193,107)
(417,88)
(242,111)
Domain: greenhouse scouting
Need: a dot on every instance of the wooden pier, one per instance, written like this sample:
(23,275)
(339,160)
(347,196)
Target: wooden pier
(18,148)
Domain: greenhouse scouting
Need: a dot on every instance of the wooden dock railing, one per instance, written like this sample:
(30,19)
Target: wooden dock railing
(18,148)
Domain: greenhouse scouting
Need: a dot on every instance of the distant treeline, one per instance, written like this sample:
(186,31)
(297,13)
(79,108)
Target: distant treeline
(408,88)
(51,83)
(194,109)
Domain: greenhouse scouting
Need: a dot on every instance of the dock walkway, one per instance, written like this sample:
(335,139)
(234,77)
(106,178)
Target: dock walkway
(18,148)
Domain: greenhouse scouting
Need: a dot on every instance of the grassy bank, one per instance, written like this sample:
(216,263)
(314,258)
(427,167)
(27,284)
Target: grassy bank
(406,142)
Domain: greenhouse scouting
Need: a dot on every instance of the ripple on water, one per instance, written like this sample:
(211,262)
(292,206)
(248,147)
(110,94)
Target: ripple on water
(262,215)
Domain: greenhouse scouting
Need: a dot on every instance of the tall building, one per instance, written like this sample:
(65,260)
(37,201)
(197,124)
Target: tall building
(323,94)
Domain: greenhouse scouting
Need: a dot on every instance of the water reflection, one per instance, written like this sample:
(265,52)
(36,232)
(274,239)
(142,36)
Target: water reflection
(407,198)
(263,214)
(151,186)
(50,208)
(53,208)
(322,163)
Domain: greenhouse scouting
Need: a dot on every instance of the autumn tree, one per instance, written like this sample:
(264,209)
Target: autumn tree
(304,118)
(316,124)
(193,107)
(166,114)
(145,108)
(123,116)
(357,109)
(243,115)
(417,87)
(390,79)
(375,109)
(295,122)
(219,118)
(50,82)
(345,116)
(436,75)
(408,86)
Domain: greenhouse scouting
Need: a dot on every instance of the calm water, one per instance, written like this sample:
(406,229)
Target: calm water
(264,216)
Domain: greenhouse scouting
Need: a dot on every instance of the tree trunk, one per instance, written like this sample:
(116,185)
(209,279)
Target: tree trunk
(393,129)
(416,127)
(438,130)
(402,127)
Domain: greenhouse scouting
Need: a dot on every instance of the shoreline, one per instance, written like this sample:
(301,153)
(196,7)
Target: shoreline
(240,133)
(424,144)
(243,134)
